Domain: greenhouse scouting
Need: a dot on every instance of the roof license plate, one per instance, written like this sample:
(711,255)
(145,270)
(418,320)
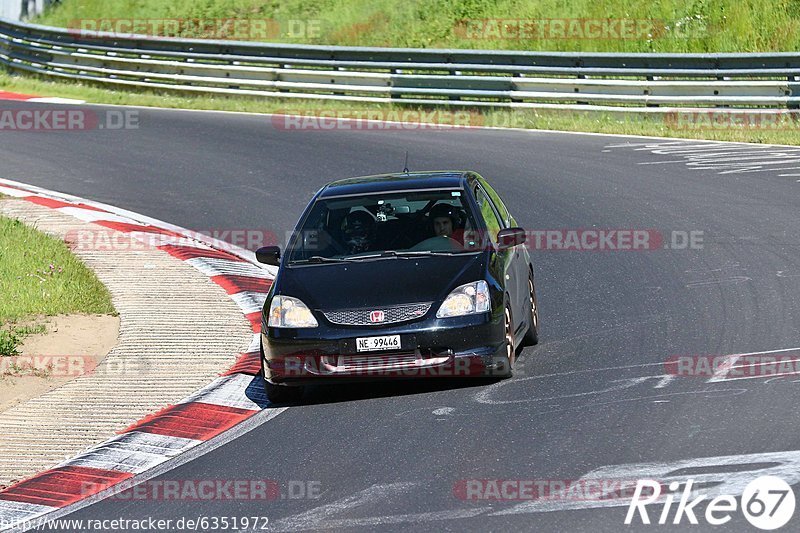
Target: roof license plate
(373,344)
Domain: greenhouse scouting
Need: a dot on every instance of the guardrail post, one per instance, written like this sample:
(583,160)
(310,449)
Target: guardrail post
(647,91)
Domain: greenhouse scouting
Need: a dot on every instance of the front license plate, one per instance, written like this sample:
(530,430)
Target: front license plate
(372,344)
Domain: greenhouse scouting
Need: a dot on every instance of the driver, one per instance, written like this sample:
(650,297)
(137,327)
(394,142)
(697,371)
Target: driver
(444,218)
(358,228)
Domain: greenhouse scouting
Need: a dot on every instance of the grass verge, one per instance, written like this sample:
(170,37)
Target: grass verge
(661,26)
(787,132)
(40,277)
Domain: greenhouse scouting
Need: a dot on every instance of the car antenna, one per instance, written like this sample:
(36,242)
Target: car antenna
(405,167)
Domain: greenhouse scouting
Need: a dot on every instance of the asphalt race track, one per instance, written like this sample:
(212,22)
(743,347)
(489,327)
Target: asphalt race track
(593,400)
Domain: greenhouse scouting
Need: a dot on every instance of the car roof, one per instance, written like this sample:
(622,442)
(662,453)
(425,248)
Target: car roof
(446,179)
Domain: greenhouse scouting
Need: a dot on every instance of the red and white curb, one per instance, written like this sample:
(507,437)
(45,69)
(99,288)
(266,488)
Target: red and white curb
(229,400)
(18,97)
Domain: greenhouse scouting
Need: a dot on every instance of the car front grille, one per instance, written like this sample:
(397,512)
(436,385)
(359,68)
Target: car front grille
(392,315)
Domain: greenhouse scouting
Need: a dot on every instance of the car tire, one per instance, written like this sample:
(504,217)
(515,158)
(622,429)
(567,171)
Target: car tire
(278,393)
(532,335)
(504,367)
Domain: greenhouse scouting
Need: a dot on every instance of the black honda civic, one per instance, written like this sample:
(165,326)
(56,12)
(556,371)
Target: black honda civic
(408,275)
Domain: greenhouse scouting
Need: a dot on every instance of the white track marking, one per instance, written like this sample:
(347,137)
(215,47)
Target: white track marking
(90,215)
(158,239)
(724,368)
(13,512)
(772,376)
(721,157)
(249,302)
(753,171)
(731,480)
(666,379)
(134,452)
(55,100)
(230,391)
(248,425)
(484,396)
(224,267)
(720,375)
(147,442)
(16,193)
(313,518)
(732,279)
(255,343)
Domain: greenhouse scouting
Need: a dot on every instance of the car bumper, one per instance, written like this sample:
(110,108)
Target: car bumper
(453,347)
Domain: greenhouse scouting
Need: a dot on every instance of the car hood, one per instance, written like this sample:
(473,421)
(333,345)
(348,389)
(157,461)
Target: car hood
(380,282)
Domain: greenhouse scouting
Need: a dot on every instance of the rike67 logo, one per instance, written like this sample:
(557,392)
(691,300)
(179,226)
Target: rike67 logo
(767,503)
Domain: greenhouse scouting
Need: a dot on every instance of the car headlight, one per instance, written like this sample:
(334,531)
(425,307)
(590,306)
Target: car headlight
(288,312)
(467,299)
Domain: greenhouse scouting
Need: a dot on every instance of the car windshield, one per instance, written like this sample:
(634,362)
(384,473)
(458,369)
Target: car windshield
(392,224)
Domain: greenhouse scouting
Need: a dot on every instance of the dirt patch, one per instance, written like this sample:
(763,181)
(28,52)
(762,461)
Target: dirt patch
(72,346)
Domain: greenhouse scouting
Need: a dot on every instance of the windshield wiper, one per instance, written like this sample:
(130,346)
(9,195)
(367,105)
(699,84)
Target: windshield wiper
(379,255)
(396,253)
(319,259)
(424,252)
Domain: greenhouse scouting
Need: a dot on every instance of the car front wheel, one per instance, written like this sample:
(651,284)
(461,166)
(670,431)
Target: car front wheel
(504,364)
(532,336)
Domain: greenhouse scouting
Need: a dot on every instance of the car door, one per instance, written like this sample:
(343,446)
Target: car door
(506,267)
(519,259)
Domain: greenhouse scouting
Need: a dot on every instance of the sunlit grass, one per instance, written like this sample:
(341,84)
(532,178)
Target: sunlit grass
(679,26)
(39,276)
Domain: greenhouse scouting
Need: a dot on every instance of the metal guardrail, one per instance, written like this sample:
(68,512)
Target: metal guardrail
(473,78)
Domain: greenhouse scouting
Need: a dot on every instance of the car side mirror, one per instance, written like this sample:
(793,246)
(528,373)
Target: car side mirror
(510,237)
(269,255)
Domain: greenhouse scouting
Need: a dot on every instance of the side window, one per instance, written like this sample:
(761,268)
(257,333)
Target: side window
(493,222)
(498,203)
